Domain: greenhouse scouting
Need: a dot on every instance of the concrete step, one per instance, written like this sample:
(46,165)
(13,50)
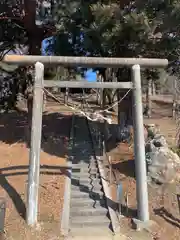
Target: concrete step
(79,152)
(96,195)
(77,157)
(85,142)
(84,162)
(90,182)
(93,236)
(88,203)
(84,166)
(85,175)
(77,182)
(85,170)
(87,188)
(92,221)
(79,165)
(102,233)
(85,181)
(99,211)
(77,195)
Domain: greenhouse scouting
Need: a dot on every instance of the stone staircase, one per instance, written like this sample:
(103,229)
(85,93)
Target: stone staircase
(88,211)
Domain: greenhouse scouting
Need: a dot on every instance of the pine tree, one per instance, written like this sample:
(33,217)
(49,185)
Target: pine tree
(123,29)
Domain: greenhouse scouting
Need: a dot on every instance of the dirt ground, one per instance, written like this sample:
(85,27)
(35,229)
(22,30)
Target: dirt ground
(14,174)
(165,211)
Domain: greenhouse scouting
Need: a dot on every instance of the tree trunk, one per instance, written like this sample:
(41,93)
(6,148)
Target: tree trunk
(148,98)
(102,73)
(124,113)
(125,105)
(101,94)
(124,75)
(99,91)
(174,99)
(153,88)
(35,36)
(66,96)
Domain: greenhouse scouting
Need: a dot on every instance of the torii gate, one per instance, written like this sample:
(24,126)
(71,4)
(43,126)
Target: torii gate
(135,85)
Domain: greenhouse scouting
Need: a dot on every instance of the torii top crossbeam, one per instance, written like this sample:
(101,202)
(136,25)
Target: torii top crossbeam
(85,61)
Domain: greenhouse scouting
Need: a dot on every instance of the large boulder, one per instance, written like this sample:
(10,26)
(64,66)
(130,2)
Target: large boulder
(159,141)
(164,165)
(154,141)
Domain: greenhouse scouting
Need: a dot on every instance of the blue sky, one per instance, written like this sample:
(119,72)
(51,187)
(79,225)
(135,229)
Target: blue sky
(44,46)
(90,75)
